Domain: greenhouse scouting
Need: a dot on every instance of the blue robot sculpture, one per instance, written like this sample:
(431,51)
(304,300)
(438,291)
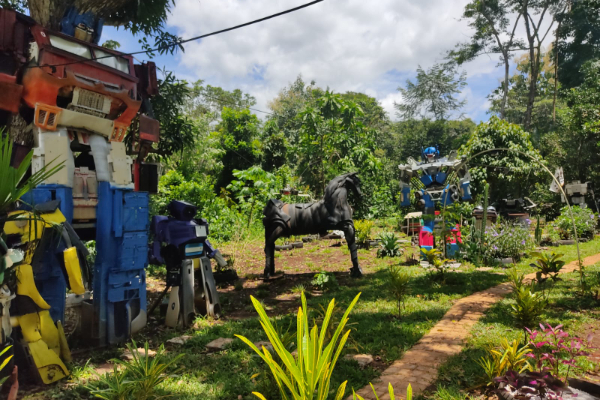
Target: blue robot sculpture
(181,242)
(432,176)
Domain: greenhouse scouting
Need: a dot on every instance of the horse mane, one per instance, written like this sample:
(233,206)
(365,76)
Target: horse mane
(335,184)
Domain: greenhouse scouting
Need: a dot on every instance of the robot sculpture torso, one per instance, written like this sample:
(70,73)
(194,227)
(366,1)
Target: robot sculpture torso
(433,172)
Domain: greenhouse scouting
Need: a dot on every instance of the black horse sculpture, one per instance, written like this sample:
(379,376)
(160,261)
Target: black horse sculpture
(332,212)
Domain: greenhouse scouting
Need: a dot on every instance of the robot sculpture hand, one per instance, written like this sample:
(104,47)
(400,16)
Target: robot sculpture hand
(433,172)
(40,331)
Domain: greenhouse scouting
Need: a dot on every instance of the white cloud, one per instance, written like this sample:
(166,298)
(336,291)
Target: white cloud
(368,46)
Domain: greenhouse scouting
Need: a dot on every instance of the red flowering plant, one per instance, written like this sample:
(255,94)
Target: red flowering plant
(551,347)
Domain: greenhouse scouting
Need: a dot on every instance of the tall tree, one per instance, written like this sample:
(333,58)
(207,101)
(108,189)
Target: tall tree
(534,14)
(333,140)
(433,95)
(578,41)
(208,101)
(494,33)
(239,140)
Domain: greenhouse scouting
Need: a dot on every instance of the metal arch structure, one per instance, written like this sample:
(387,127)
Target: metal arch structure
(434,174)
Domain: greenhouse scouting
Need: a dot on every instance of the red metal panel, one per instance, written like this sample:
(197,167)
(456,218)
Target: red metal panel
(149,129)
(8,19)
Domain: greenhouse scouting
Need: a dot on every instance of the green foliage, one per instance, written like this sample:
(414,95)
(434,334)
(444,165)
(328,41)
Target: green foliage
(252,186)
(585,223)
(515,278)
(324,281)
(508,356)
(4,362)
(12,183)
(505,171)
(389,245)
(529,305)
(504,240)
(223,216)
(538,232)
(548,265)
(333,140)
(434,95)
(308,375)
(579,41)
(577,144)
(239,138)
(399,280)
(139,378)
(409,393)
(177,131)
(363,229)
(275,147)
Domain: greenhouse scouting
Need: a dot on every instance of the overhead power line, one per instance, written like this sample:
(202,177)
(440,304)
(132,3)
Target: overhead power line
(181,42)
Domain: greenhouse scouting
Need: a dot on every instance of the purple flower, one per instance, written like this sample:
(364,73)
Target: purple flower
(495,247)
(522,242)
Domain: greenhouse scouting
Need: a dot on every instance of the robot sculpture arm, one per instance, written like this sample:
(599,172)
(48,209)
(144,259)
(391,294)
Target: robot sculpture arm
(181,242)
(53,253)
(433,172)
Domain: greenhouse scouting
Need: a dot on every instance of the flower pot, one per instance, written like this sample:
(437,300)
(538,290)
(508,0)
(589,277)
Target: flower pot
(566,242)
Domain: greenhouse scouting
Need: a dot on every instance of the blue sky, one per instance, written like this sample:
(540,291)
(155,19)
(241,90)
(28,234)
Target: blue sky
(366,46)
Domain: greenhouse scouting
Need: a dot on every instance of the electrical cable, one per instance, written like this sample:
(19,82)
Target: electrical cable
(181,42)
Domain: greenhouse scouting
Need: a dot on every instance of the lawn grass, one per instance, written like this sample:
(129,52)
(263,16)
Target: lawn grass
(236,371)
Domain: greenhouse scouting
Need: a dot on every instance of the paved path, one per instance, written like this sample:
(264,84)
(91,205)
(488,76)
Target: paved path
(419,365)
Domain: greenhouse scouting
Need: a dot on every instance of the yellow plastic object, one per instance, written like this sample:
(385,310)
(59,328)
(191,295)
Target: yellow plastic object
(31,227)
(26,286)
(196,263)
(49,365)
(49,332)
(74,270)
(30,327)
(65,351)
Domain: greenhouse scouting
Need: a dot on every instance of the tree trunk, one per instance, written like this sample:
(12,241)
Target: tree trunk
(533,70)
(48,13)
(505,86)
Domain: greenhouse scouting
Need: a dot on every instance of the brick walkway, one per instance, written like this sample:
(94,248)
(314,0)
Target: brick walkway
(419,365)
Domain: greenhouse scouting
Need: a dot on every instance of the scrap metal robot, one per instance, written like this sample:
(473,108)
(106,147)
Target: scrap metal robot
(434,176)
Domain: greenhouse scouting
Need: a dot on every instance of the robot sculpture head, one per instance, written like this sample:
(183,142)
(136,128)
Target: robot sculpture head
(431,154)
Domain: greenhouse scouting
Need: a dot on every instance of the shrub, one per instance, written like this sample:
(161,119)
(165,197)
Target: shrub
(363,230)
(529,305)
(325,281)
(409,394)
(547,265)
(136,379)
(223,216)
(508,356)
(585,222)
(389,245)
(307,375)
(399,285)
(506,240)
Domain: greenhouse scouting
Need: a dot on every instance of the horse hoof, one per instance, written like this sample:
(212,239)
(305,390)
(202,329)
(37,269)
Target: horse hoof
(356,272)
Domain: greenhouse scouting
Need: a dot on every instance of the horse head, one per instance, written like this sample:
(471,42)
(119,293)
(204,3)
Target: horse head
(348,181)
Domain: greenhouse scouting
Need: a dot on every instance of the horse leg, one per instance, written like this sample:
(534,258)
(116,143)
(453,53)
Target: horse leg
(270,238)
(356,270)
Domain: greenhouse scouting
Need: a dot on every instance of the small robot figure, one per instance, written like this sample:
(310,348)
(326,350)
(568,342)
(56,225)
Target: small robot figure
(186,252)
(432,175)
(577,192)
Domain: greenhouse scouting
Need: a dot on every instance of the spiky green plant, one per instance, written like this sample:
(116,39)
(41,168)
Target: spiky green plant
(409,393)
(307,376)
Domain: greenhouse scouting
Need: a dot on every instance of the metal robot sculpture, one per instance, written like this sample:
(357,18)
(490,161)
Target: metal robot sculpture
(433,173)
(187,253)
(79,114)
(331,212)
(53,260)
